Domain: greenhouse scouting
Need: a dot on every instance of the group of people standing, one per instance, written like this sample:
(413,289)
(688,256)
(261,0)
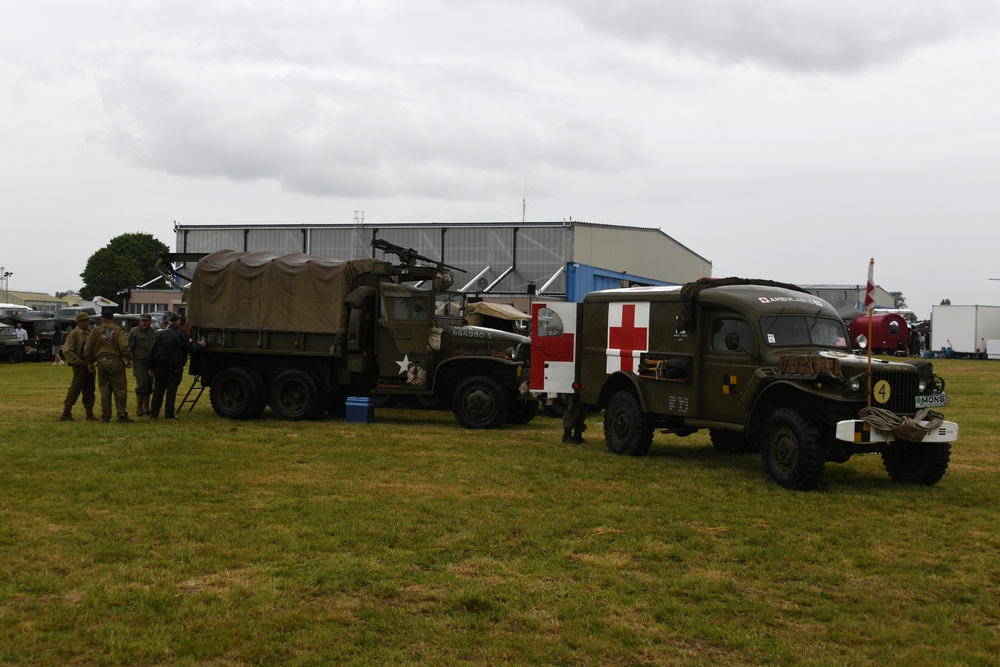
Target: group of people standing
(102,355)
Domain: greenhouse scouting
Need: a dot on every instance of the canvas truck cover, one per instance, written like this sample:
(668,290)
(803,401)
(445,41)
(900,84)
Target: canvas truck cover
(482,309)
(266,292)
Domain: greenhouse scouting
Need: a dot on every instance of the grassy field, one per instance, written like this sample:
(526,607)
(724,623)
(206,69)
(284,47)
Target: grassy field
(413,541)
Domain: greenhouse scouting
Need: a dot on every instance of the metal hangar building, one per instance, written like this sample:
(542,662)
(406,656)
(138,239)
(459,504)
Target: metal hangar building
(560,260)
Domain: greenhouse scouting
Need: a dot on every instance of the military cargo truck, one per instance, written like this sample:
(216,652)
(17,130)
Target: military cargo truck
(301,333)
(764,367)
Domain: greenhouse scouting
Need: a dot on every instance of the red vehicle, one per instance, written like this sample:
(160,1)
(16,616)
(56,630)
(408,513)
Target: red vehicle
(890,332)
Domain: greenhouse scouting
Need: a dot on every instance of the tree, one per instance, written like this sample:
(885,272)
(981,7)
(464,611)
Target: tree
(128,260)
(898,300)
(945,302)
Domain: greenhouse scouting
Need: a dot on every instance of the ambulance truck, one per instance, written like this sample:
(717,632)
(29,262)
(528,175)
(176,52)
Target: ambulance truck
(765,367)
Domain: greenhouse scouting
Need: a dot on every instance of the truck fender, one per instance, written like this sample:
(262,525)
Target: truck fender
(784,393)
(450,372)
(621,380)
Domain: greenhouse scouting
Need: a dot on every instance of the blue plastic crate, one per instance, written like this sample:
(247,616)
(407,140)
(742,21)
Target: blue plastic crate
(360,410)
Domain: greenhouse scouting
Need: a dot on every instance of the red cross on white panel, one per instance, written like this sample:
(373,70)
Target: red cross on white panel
(628,335)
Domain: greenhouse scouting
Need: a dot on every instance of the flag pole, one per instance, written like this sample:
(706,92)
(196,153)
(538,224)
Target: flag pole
(870,308)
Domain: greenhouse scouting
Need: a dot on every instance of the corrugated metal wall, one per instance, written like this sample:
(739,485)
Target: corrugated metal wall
(537,252)
(640,252)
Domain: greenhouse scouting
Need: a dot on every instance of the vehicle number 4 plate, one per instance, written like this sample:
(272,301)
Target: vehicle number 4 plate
(932,401)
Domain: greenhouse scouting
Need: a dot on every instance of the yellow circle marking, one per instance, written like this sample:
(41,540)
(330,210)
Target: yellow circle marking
(882,391)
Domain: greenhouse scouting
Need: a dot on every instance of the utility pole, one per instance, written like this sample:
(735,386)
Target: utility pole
(360,248)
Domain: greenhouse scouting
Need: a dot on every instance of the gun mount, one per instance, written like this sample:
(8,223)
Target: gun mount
(409,255)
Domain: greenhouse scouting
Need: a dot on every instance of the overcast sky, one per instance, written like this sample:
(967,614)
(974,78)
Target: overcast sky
(787,139)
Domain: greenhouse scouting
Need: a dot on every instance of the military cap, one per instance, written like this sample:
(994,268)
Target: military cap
(144,317)
(82,316)
(108,313)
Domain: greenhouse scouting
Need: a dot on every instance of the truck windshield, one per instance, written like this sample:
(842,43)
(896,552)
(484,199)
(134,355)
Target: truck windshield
(788,330)
(449,304)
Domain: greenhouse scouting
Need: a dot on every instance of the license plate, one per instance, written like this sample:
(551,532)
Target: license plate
(932,401)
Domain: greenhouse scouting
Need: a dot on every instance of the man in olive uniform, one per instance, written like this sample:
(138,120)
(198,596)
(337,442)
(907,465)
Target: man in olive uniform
(107,350)
(74,351)
(140,341)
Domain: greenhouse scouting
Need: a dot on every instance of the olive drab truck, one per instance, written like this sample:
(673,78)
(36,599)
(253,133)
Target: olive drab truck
(764,367)
(301,334)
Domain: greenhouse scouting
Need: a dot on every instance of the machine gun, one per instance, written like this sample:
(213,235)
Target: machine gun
(409,255)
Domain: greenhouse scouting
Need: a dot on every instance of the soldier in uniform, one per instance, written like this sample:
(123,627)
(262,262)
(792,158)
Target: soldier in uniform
(574,421)
(74,352)
(108,351)
(140,341)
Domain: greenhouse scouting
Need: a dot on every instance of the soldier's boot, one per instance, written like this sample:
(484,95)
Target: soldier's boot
(138,408)
(123,417)
(67,415)
(568,437)
(578,436)
(90,415)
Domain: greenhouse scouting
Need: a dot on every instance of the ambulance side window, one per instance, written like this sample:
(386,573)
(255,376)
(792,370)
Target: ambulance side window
(723,327)
(549,323)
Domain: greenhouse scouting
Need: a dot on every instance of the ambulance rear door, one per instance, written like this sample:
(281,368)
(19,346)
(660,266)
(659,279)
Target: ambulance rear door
(555,346)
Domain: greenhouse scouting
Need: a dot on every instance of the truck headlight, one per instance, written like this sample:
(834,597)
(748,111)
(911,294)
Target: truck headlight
(922,386)
(855,384)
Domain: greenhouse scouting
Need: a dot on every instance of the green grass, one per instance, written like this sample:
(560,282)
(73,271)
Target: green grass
(413,541)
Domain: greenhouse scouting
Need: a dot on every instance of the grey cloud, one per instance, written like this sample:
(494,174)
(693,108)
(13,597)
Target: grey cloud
(352,130)
(792,35)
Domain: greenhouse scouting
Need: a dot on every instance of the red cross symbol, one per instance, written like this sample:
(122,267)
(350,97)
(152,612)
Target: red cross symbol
(627,338)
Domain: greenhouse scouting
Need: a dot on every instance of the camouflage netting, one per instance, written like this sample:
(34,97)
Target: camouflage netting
(266,292)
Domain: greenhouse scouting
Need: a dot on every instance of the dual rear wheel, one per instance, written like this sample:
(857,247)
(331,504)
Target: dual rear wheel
(239,393)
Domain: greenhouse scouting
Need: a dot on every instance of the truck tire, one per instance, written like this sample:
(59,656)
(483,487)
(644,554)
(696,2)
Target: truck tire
(480,402)
(915,462)
(385,400)
(295,396)
(430,402)
(237,393)
(557,408)
(522,412)
(731,442)
(792,450)
(13,355)
(627,429)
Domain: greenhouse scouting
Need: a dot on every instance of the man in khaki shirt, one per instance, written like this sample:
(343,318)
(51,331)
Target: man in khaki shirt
(108,352)
(74,351)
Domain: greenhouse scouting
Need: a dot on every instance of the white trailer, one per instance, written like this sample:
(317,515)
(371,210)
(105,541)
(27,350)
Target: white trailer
(964,329)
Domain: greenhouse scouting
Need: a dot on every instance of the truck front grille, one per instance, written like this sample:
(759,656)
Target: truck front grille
(902,391)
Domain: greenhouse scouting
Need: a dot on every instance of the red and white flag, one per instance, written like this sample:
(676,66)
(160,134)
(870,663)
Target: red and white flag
(869,300)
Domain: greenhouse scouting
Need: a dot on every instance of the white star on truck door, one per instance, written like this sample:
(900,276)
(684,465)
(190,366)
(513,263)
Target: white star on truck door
(404,365)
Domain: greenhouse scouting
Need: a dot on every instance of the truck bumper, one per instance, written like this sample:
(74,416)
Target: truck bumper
(859,431)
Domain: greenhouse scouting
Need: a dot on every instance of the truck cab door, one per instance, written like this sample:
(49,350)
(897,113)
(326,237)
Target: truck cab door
(404,358)
(555,345)
(728,366)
